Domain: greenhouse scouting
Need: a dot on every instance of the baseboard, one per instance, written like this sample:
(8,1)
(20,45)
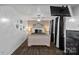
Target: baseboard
(16,46)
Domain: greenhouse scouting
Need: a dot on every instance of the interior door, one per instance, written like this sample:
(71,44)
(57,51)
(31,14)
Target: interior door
(61,33)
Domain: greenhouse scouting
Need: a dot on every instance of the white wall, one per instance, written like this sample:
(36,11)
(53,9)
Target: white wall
(73,24)
(10,37)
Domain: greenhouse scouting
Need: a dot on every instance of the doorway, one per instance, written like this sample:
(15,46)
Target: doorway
(36,30)
(61,33)
(52,35)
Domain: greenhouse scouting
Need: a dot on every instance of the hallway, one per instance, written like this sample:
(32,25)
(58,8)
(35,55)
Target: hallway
(43,25)
(37,50)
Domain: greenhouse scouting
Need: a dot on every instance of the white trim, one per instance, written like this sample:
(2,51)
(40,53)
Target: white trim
(70,10)
(64,35)
(54,28)
(16,46)
(49,28)
(57,40)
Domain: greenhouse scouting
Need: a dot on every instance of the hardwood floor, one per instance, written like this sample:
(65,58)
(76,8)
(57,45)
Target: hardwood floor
(37,50)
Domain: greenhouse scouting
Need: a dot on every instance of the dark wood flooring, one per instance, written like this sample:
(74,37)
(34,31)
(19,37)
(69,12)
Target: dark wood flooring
(37,50)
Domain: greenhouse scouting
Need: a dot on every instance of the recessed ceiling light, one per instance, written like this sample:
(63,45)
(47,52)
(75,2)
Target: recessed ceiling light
(38,20)
(4,20)
(72,20)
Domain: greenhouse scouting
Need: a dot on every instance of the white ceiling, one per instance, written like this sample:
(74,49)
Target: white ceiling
(31,10)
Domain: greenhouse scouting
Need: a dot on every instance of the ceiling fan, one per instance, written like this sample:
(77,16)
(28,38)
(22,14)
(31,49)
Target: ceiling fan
(38,15)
